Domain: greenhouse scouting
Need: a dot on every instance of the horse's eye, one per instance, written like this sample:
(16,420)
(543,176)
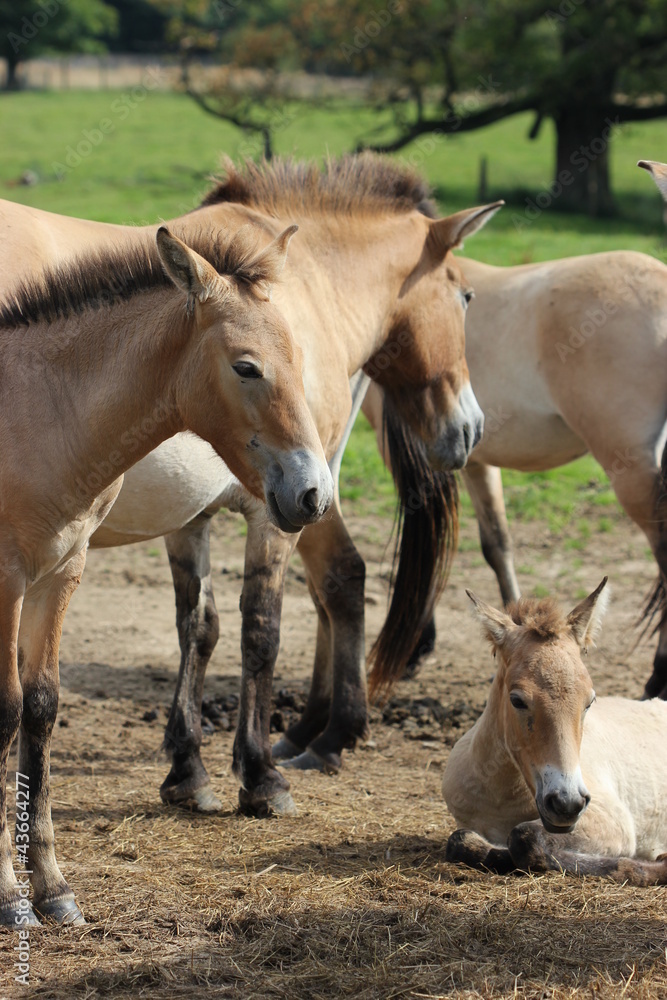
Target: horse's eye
(594,698)
(468,295)
(518,702)
(246,369)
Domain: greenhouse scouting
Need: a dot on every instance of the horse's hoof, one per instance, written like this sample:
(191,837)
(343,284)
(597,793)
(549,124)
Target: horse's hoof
(17,915)
(311,761)
(285,749)
(260,806)
(62,910)
(202,799)
(466,847)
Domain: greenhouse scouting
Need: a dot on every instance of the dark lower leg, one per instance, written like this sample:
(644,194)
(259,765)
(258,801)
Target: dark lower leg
(52,896)
(468,848)
(188,783)
(485,486)
(656,686)
(533,849)
(318,706)
(264,788)
(337,573)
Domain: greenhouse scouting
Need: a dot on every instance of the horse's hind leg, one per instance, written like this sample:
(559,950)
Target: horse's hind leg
(336,575)
(485,487)
(264,789)
(39,641)
(533,849)
(187,783)
(641,488)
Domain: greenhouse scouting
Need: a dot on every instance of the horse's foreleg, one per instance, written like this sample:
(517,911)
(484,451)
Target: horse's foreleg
(264,789)
(469,848)
(187,783)
(39,642)
(15,908)
(336,574)
(534,849)
(485,487)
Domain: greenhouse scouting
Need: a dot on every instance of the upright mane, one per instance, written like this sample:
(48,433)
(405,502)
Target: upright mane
(541,616)
(358,184)
(104,277)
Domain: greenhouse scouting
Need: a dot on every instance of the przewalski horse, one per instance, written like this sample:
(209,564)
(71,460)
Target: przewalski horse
(102,359)
(549,355)
(381,291)
(549,778)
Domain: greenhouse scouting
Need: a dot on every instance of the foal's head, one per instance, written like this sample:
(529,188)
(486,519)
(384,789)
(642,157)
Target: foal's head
(542,693)
(422,366)
(243,387)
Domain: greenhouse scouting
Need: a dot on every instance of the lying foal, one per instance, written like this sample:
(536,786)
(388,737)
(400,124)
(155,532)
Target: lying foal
(548,778)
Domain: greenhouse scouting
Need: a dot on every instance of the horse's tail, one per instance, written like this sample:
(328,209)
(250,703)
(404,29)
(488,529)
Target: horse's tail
(427,533)
(654,612)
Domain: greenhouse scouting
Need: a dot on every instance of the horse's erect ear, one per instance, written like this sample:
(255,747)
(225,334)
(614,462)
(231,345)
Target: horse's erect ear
(586,618)
(450,232)
(658,172)
(271,261)
(496,625)
(189,272)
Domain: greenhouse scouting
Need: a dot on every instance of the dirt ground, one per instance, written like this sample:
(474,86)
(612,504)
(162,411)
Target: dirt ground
(353,896)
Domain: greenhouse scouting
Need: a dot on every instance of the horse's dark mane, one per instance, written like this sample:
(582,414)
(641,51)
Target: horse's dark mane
(541,616)
(103,277)
(353,184)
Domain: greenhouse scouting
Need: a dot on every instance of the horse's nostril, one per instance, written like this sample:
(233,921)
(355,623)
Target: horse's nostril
(310,501)
(561,805)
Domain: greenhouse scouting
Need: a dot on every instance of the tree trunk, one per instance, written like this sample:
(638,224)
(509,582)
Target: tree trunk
(582,160)
(12,82)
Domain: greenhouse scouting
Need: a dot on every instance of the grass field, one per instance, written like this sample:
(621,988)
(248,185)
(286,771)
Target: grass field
(159,150)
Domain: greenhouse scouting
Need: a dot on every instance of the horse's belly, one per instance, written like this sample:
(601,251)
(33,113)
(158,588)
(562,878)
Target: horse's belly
(164,491)
(528,442)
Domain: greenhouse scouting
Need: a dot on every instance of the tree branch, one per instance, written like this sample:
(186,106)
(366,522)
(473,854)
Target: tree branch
(456,123)
(638,113)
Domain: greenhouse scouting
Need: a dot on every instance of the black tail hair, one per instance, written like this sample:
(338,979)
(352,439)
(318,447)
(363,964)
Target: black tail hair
(427,534)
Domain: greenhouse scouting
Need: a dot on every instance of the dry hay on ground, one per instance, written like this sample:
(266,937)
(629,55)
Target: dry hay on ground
(352,898)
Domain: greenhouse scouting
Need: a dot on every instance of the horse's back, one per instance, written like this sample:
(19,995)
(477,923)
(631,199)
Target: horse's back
(32,239)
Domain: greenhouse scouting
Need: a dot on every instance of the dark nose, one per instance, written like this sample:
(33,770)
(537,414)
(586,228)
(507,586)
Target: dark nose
(309,502)
(567,807)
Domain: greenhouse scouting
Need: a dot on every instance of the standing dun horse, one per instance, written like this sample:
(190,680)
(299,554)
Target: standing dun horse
(550,778)
(568,357)
(102,359)
(372,285)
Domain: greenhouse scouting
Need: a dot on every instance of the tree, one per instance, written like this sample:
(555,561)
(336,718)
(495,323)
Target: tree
(29,28)
(586,65)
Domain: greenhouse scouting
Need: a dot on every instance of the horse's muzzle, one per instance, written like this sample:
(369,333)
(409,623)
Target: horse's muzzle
(299,490)
(462,433)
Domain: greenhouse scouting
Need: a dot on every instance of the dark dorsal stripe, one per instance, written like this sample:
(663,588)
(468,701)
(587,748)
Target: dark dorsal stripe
(104,278)
(352,184)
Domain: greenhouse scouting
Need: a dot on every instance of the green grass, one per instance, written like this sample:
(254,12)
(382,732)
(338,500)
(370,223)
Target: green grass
(156,161)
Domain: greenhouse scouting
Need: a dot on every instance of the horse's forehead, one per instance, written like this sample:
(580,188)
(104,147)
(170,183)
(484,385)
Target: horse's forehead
(250,322)
(553,666)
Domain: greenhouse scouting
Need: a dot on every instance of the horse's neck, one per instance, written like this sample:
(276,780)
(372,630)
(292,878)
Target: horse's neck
(344,272)
(102,383)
